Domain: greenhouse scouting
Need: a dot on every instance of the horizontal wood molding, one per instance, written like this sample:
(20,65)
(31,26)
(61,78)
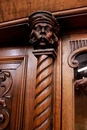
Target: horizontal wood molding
(70,12)
(60,14)
(14,22)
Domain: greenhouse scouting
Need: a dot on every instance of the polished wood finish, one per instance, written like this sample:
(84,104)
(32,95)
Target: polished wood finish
(64,14)
(14,22)
(43,36)
(77,47)
(16,52)
(16,61)
(75,44)
(18,9)
(43,93)
(18,34)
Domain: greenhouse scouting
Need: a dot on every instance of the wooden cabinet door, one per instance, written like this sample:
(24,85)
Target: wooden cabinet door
(73,114)
(17,82)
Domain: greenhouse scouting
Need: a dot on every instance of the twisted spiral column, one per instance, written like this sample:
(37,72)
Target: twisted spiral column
(43,92)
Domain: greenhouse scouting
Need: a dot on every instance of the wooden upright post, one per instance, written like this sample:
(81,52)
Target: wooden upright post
(44,37)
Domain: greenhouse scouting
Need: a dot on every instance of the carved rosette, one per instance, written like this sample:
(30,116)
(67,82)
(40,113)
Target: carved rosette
(44,37)
(4,93)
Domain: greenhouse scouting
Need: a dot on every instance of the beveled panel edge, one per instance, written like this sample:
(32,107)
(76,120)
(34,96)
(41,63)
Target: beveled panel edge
(16,60)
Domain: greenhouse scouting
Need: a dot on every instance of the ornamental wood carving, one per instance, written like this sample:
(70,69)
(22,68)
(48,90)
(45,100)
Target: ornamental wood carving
(44,37)
(12,91)
(4,93)
(77,47)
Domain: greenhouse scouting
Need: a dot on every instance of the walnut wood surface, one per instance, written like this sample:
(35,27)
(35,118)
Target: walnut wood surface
(19,9)
(43,93)
(21,109)
(14,61)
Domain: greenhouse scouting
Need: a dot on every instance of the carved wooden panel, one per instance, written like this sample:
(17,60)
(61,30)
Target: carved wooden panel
(12,90)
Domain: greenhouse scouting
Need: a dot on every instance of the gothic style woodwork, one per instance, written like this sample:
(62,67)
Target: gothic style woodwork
(44,37)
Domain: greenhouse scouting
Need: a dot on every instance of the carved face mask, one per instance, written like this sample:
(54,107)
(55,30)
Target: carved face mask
(43,36)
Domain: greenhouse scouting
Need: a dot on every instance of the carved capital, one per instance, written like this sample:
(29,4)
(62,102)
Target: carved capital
(49,52)
(44,30)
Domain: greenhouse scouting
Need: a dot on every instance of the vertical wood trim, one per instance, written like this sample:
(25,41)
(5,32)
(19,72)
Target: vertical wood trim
(58,96)
(20,107)
(67,89)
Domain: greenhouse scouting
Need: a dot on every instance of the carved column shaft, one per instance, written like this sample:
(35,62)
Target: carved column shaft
(43,90)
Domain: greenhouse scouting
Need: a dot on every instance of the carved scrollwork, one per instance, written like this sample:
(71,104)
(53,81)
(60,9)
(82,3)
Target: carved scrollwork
(77,47)
(3,95)
(4,119)
(4,90)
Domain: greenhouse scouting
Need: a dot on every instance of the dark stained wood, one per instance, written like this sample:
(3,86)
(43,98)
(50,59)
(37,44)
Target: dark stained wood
(17,33)
(19,62)
(58,14)
(69,20)
(14,22)
(70,24)
(15,48)
(45,41)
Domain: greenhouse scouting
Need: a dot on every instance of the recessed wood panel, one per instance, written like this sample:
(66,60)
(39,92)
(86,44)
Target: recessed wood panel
(13,93)
(21,64)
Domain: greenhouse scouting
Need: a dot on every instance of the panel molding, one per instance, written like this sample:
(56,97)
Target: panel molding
(17,94)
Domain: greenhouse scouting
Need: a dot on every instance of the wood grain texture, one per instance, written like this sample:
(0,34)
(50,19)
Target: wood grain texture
(77,47)
(19,9)
(43,93)
(13,106)
(12,59)
(67,88)
(58,89)
(68,103)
